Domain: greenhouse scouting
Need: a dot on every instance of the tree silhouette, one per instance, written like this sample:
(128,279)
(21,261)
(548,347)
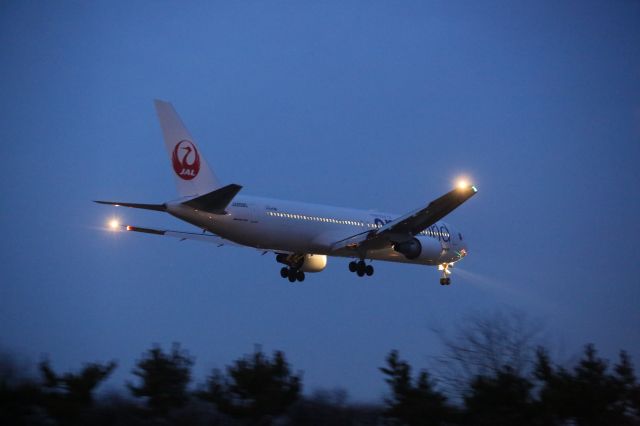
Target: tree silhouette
(77,387)
(502,399)
(20,396)
(484,345)
(331,407)
(258,389)
(412,403)
(164,378)
(628,389)
(590,394)
(66,396)
(254,388)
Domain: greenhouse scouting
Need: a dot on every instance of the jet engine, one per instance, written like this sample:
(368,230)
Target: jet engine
(306,263)
(420,248)
(313,263)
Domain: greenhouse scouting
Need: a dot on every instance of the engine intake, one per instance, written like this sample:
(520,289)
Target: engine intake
(411,249)
(424,249)
(314,263)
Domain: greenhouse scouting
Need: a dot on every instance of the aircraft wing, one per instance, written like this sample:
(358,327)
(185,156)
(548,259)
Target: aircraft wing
(207,238)
(157,207)
(420,219)
(408,225)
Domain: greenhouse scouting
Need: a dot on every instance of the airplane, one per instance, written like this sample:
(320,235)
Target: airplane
(301,235)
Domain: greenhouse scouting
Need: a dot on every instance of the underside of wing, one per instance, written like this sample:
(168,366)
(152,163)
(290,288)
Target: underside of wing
(204,237)
(408,225)
(420,219)
(157,207)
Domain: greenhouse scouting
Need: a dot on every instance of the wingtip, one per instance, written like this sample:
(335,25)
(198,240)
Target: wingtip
(465,188)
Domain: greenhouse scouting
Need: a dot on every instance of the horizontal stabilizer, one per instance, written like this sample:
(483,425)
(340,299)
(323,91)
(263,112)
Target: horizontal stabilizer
(157,207)
(215,201)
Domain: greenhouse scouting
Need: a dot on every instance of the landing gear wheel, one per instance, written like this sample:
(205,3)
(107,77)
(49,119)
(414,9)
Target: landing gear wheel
(292,275)
(361,268)
(445,281)
(300,276)
(284,272)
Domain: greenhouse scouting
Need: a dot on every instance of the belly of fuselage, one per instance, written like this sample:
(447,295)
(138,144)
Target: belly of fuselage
(245,228)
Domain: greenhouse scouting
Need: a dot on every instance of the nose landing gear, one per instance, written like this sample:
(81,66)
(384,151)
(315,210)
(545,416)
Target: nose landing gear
(444,268)
(361,268)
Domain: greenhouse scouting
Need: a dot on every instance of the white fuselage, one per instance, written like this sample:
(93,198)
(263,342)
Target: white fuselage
(295,227)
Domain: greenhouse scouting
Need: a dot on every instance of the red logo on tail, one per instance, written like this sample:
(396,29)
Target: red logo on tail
(185,160)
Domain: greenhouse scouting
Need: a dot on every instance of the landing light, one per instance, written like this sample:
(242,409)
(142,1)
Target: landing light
(462,183)
(114,224)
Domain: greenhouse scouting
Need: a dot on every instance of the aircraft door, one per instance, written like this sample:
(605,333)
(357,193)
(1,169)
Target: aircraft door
(254,210)
(243,212)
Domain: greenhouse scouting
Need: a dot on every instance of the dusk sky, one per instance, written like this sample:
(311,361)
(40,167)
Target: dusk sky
(364,104)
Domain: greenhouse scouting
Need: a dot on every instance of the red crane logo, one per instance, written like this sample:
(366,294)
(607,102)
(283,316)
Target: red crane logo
(185,160)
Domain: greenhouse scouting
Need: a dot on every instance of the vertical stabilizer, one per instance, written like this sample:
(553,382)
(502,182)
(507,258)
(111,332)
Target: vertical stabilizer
(190,169)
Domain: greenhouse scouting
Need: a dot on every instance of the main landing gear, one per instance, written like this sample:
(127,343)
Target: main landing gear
(293,264)
(445,279)
(292,274)
(361,268)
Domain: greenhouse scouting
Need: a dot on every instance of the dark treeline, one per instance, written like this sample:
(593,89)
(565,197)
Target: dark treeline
(491,373)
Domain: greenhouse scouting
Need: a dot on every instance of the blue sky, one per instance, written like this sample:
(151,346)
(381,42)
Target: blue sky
(363,104)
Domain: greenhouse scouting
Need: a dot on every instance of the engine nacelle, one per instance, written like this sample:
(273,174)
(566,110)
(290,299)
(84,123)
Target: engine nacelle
(420,248)
(313,263)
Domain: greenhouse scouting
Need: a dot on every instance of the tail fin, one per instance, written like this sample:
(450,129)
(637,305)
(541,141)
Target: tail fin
(192,173)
